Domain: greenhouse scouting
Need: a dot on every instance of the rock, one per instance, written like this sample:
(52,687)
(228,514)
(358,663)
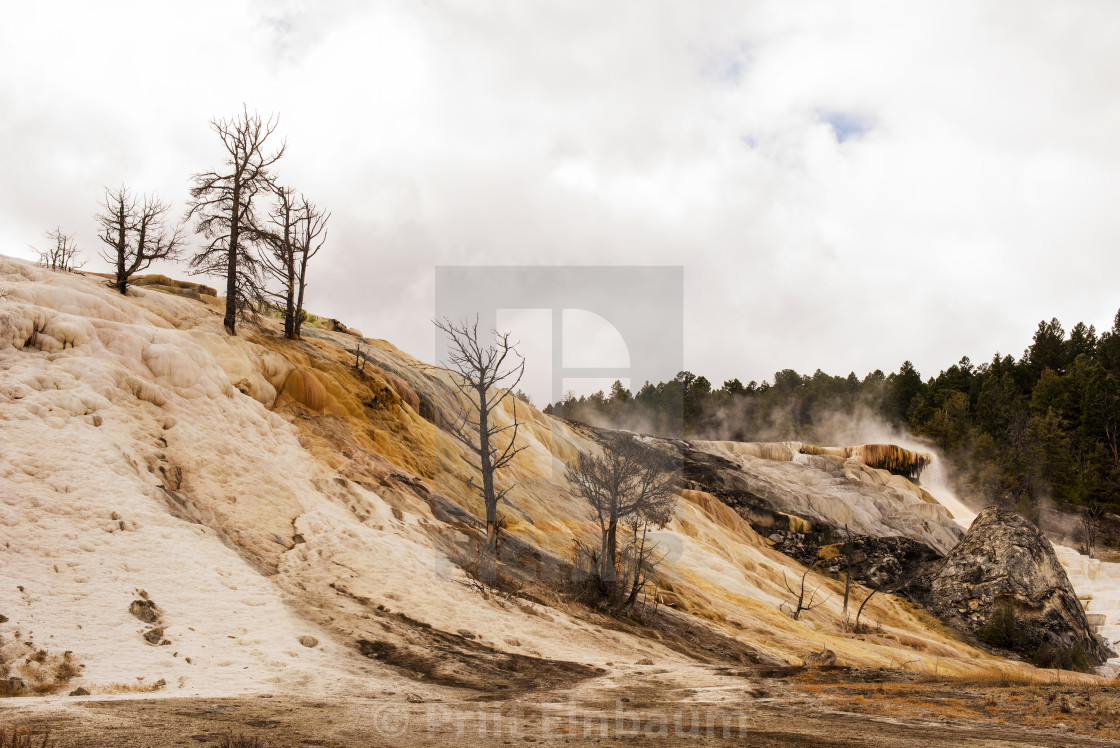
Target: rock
(308,641)
(644,661)
(79,692)
(797,496)
(824,658)
(466,634)
(1003,583)
(154,636)
(414,699)
(145,610)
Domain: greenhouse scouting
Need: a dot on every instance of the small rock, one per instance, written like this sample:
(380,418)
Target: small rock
(154,636)
(145,610)
(161,683)
(415,699)
(645,661)
(308,641)
(824,658)
(97,420)
(79,692)
(466,634)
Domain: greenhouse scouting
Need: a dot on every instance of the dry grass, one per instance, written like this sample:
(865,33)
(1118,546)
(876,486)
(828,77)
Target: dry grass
(1016,698)
(138,687)
(37,672)
(24,737)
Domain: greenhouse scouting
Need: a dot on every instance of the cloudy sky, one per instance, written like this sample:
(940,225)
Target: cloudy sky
(846,184)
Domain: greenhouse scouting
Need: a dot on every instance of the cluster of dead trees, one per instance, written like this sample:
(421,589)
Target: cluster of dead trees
(259,234)
(256,228)
(61,253)
(628,487)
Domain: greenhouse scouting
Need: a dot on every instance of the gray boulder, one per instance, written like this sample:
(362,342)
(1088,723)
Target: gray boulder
(1003,584)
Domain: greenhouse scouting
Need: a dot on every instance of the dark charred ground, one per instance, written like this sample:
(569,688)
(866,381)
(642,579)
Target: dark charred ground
(631,705)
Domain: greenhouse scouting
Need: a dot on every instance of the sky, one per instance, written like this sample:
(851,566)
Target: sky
(847,185)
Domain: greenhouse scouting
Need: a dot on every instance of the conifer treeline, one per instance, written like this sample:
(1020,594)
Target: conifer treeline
(1044,426)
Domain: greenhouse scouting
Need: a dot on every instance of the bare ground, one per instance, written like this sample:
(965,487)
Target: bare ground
(632,704)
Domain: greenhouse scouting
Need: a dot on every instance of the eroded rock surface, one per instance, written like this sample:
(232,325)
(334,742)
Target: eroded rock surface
(1004,575)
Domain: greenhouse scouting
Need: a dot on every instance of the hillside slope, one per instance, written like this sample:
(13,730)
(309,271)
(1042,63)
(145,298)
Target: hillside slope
(300,525)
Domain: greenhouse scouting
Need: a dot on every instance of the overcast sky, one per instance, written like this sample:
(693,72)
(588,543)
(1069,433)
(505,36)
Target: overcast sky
(847,185)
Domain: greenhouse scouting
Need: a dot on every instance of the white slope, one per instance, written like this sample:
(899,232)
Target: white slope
(107,403)
(94,391)
(1098,586)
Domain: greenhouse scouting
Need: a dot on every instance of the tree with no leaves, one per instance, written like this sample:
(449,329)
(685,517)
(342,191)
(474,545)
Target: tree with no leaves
(485,375)
(799,604)
(136,233)
(223,202)
(631,482)
(311,234)
(297,232)
(63,255)
(280,260)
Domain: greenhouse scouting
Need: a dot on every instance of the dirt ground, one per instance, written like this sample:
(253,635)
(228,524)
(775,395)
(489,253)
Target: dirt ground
(830,707)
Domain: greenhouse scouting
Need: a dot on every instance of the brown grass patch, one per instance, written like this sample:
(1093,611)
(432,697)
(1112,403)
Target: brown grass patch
(24,737)
(138,687)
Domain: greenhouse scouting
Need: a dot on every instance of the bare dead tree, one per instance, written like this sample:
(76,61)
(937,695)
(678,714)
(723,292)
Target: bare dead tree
(861,605)
(630,480)
(847,553)
(485,375)
(61,253)
(801,605)
(311,234)
(359,360)
(644,557)
(296,232)
(1091,518)
(280,259)
(136,233)
(223,202)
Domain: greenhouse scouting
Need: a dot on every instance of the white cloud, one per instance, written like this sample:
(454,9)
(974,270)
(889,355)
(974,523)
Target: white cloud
(973,197)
